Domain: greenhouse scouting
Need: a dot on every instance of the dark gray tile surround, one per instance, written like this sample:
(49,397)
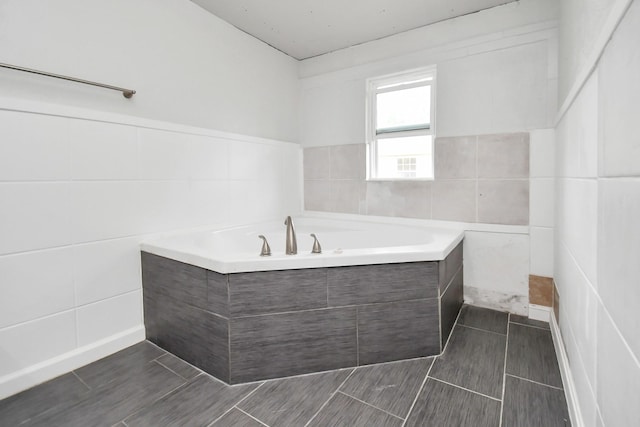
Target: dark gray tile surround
(136,387)
(245,327)
(295,343)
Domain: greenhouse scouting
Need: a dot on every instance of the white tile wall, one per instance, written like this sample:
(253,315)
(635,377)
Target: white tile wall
(586,394)
(79,195)
(35,147)
(619,254)
(542,153)
(108,317)
(618,382)
(102,151)
(597,244)
(620,90)
(542,251)
(106,268)
(541,202)
(34,216)
(578,221)
(578,153)
(580,309)
(26,344)
(35,284)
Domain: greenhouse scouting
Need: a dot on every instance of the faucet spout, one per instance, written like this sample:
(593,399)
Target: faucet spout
(291,243)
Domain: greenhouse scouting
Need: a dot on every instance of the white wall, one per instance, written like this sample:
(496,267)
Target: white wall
(85,174)
(497,73)
(187,65)
(597,243)
(79,194)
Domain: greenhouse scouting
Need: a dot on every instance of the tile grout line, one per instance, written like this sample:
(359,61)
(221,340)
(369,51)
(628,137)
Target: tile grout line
(171,370)
(415,399)
(450,334)
(369,404)
(250,416)
(465,389)
(530,326)
(484,330)
(235,406)
(81,380)
(155,400)
(330,397)
(504,372)
(535,382)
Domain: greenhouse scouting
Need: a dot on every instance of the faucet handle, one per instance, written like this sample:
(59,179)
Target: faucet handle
(266,249)
(316,245)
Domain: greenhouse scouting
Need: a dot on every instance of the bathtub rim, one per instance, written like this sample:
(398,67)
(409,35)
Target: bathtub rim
(449,236)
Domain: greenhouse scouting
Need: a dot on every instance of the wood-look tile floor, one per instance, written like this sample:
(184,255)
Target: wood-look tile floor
(497,370)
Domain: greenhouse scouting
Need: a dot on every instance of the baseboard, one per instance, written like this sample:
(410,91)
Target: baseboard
(539,312)
(567,377)
(51,368)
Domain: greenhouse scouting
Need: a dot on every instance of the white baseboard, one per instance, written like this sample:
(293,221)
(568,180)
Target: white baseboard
(36,374)
(539,312)
(567,378)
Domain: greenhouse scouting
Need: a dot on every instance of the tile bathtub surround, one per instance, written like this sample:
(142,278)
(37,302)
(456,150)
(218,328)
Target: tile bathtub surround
(145,386)
(251,326)
(483,178)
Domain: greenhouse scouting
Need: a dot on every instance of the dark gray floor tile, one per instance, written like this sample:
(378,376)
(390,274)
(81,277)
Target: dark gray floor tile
(441,404)
(292,401)
(450,305)
(179,366)
(370,284)
(389,386)
(182,282)
(56,394)
(343,411)
(514,318)
(196,404)
(483,318)
(236,418)
(267,292)
(119,364)
(399,330)
(474,360)
(117,399)
(194,335)
(531,355)
(533,405)
(279,345)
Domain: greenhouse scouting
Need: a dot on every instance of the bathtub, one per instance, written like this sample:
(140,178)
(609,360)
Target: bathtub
(344,242)
(378,292)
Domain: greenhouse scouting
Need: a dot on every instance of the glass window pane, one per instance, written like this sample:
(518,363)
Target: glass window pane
(405,157)
(407,107)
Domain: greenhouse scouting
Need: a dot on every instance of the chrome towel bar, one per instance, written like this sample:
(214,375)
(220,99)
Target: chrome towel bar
(127,93)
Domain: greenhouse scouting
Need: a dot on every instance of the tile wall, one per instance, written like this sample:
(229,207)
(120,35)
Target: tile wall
(79,195)
(597,243)
(482,179)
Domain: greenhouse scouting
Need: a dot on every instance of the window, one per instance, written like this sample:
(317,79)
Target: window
(400,125)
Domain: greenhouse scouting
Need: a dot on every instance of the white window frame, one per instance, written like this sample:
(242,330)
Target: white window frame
(414,78)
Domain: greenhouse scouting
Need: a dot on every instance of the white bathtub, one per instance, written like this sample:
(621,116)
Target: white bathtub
(344,242)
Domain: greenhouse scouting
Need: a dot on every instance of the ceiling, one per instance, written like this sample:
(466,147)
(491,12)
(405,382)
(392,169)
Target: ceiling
(307,28)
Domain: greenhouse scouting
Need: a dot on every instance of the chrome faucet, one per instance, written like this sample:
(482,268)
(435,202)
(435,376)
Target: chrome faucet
(291,244)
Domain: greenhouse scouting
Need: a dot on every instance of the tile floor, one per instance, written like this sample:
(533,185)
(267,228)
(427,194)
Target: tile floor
(497,370)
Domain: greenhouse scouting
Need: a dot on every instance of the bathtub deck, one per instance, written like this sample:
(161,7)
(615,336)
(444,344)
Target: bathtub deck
(471,384)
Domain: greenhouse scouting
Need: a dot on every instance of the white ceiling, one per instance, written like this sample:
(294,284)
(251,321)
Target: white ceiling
(306,28)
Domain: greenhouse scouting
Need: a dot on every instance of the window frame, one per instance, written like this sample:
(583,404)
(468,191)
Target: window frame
(390,83)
